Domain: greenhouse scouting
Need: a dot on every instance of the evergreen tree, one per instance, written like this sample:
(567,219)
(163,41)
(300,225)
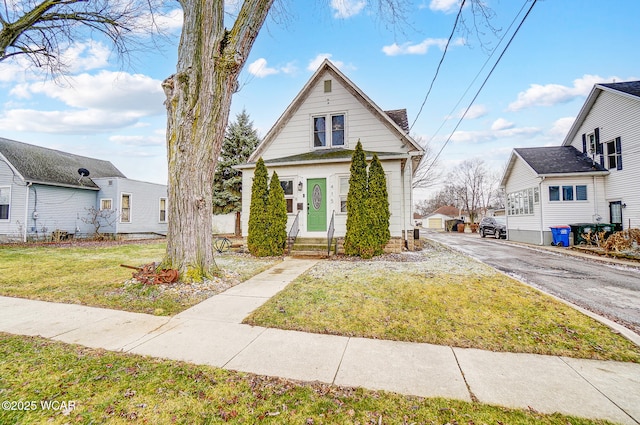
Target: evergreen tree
(258,219)
(277,216)
(358,236)
(378,208)
(240,141)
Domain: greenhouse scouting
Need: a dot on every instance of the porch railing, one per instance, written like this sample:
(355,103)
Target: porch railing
(293,232)
(330,233)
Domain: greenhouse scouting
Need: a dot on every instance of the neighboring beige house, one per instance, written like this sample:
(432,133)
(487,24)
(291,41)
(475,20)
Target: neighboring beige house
(310,147)
(437,219)
(593,177)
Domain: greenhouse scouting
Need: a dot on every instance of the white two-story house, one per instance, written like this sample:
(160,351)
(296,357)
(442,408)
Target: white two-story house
(594,177)
(310,147)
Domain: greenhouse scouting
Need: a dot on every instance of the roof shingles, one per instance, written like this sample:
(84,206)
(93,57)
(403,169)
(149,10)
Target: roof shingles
(558,160)
(49,166)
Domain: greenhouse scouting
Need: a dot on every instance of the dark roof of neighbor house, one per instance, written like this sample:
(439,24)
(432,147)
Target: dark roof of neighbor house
(448,210)
(558,160)
(42,165)
(629,87)
(399,116)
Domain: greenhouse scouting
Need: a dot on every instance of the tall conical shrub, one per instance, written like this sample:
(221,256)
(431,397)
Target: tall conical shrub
(357,236)
(277,217)
(258,219)
(378,206)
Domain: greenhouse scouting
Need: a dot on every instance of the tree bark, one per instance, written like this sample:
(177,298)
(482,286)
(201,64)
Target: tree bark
(199,94)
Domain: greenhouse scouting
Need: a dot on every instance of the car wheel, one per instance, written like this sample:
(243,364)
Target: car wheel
(496,233)
(482,233)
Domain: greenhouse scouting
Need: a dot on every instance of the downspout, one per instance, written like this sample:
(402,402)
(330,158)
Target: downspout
(595,199)
(404,204)
(541,210)
(26,214)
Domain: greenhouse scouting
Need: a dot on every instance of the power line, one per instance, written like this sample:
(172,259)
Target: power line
(444,53)
(482,86)
(480,70)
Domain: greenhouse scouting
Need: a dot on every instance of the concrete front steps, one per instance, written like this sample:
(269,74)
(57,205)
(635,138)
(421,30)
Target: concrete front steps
(312,247)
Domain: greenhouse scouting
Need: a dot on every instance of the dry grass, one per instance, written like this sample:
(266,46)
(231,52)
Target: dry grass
(91,275)
(115,388)
(443,298)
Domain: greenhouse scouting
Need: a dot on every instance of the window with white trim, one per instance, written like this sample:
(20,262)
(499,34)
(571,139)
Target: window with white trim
(343,191)
(163,210)
(105,204)
(614,154)
(125,208)
(568,193)
(329,131)
(5,202)
(287,187)
(522,201)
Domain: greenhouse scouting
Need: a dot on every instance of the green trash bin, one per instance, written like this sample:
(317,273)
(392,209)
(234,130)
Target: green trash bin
(608,228)
(579,230)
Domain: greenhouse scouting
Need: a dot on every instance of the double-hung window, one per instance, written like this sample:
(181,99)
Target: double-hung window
(5,202)
(163,210)
(614,154)
(343,192)
(329,131)
(125,208)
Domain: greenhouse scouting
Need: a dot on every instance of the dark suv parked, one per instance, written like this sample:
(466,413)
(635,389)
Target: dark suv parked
(496,226)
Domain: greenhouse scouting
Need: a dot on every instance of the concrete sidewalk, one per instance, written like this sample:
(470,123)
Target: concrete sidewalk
(211,333)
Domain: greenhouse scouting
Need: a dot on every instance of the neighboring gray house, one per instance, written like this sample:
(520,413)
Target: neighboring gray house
(44,190)
(592,177)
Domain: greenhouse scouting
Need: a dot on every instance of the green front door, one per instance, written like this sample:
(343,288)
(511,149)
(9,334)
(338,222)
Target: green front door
(317,205)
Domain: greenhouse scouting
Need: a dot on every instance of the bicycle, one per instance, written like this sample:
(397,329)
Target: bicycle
(221,244)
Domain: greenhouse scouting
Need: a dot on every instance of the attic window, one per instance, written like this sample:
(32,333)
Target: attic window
(110,182)
(327,86)
(329,131)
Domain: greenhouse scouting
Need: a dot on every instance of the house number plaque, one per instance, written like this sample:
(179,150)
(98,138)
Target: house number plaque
(316,197)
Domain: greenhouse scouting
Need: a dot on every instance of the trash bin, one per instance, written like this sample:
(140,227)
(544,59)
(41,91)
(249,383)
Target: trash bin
(416,233)
(560,235)
(581,229)
(607,228)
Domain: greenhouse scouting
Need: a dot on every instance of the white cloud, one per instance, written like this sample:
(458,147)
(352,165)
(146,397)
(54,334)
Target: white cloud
(501,124)
(561,127)
(138,141)
(85,56)
(553,94)
(94,103)
(420,48)
(260,69)
(347,8)
(475,112)
(485,136)
(446,6)
(315,63)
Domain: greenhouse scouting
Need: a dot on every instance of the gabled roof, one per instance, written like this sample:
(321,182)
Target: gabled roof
(48,166)
(395,120)
(628,89)
(554,161)
(448,210)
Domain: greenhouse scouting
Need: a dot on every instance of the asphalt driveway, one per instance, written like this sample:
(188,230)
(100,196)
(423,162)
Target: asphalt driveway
(612,291)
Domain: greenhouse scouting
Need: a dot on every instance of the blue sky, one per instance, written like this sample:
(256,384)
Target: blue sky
(112,112)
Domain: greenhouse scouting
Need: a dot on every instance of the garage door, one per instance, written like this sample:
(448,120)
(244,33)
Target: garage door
(434,223)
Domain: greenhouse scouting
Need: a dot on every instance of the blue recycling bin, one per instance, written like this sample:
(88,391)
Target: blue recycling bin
(560,235)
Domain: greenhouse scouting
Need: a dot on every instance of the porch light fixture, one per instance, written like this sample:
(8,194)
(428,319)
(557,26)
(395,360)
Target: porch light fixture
(300,186)
(624,205)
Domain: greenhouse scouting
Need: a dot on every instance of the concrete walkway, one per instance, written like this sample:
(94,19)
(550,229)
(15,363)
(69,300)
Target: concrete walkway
(211,333)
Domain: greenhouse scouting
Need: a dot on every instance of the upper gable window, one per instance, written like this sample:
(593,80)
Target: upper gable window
(328,130)
(327,86)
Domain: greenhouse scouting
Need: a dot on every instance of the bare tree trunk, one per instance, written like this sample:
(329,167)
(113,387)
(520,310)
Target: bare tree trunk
(199,95)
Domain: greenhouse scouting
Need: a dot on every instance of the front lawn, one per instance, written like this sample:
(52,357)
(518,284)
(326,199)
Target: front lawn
(90,274)
(438,297)
(50,382)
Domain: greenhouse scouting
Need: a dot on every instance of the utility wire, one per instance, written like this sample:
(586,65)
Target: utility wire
(482,86)
(444,53)
(455,107)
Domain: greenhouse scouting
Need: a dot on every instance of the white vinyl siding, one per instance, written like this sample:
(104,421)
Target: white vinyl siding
(617,115)
(296,136)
